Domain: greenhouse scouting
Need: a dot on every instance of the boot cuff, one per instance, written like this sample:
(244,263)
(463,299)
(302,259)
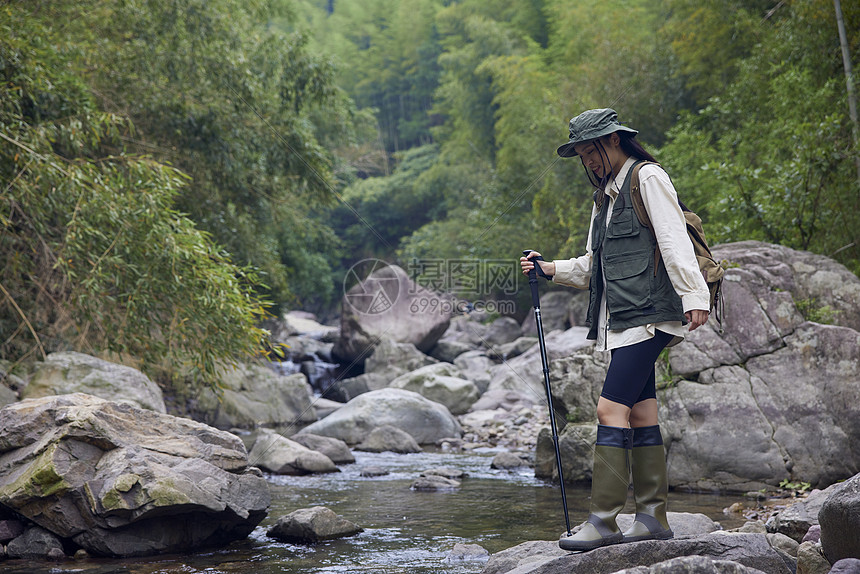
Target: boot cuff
(646,436)
(614,436)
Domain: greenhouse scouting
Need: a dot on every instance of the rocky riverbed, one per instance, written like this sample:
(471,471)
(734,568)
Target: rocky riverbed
(770,403)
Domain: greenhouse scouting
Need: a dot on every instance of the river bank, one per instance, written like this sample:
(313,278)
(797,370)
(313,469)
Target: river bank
(404,531)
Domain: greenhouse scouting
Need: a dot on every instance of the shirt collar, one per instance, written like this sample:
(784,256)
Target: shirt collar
(615,186)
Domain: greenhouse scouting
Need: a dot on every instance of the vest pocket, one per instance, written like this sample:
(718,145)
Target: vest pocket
(621,225)
(628,285)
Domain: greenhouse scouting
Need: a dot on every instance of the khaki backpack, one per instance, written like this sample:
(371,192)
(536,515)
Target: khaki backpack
(712,270)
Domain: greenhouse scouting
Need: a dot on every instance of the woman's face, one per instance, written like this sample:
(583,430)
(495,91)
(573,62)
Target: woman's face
(593,156)
(601,155)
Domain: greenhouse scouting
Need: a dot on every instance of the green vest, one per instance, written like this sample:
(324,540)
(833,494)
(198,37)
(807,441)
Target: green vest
(623,253)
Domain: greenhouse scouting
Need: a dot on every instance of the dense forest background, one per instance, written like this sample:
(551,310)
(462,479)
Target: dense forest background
(174,170)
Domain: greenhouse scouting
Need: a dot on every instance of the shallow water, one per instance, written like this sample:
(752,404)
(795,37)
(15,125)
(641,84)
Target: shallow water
(405,531)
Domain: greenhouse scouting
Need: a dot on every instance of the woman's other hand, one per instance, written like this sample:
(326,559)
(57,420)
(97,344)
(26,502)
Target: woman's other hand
(697,318)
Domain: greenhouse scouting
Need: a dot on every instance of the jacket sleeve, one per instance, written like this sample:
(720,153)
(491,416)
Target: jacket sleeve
(576,272)
(670,228)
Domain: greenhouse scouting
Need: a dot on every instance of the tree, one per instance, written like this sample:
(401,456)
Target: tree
(96,257)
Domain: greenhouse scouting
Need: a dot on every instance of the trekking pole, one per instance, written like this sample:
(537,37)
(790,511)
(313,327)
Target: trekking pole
(533,283)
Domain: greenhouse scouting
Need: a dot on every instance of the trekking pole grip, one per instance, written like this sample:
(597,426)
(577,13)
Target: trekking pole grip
(533,282)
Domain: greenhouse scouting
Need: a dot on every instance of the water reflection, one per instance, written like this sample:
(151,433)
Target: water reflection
(405,530)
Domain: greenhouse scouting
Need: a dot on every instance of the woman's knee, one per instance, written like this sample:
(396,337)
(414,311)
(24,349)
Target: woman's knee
(611,413)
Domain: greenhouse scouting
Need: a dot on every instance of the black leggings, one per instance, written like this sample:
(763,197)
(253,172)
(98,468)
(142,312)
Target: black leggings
(630,378)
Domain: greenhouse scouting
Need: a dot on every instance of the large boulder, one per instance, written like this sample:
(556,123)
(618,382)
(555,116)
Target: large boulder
(786,389)
(309,525)
(425,420)
(280,455)
(388,304)
(441,384)
(118,480)
(749,550)
(337,450)
(839,518)
(524,373)
(69,372)
(554,312)
(254,395)
(389,438)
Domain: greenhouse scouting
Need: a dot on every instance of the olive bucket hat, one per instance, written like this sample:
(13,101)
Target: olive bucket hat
(589,125)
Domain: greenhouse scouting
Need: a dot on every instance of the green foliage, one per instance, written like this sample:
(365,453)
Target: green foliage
(217,90)
(797,487)
(95,255)
(769,158)
(813,311)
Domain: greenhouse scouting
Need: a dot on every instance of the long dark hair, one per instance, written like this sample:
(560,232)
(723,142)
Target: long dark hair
(633,148)
(629,145)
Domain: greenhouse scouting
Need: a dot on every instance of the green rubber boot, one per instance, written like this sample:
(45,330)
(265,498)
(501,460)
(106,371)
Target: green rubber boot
(650,487)
(609,481)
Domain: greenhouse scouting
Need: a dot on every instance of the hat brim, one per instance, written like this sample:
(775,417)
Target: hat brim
(566,150)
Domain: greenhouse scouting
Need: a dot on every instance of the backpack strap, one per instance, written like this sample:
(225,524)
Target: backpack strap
(639,206)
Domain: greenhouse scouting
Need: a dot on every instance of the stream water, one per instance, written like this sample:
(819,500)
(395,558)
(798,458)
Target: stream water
(405,531)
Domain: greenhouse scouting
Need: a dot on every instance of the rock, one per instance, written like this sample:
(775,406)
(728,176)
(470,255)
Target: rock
(447,350)
(335,449)
(435,483)
(455,393)
(309,525)
(576,445)
(389,438)
(476,367)
(692,565)
(507,461)
(839,518)
(35,544)
(846,566)
(325,407)
(391,359)
(753,406)
(304,323)
(753,527)
(554,312)
(152,483)
(511,401)
(426,373)
(770,382)
(468,330)
(807,276)
(254,395)
(784,543)
(347,389)
(515,348)
(373,471)
(524,373)
(10,529)
(389,304)
(69,372)
(502,330)
(810,559)
(277,454)
(813,534)
(796,520)
(467,553)
(446,472)
(425,420)
(749,550)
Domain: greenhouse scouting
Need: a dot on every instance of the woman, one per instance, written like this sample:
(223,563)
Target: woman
(639,304)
